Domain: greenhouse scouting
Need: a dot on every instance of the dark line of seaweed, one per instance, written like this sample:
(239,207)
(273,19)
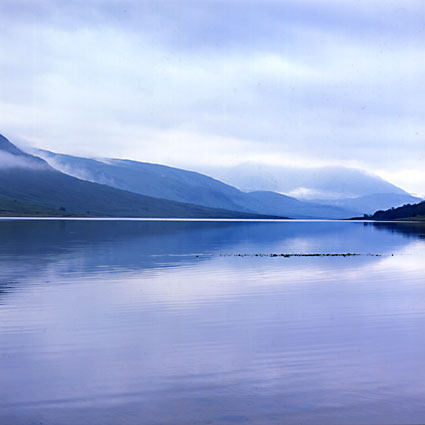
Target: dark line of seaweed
(347,254)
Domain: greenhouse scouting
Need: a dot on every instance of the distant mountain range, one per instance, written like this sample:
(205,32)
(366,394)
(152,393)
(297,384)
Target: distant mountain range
(368,204)
(348,188)
(304,183)
(188,186)
(47,183)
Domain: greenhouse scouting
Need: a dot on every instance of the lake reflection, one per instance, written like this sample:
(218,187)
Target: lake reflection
(135,322)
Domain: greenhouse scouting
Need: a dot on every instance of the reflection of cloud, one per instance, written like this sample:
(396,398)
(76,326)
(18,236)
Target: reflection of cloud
(226,278)
(408,258)
(162,255)
(254,331)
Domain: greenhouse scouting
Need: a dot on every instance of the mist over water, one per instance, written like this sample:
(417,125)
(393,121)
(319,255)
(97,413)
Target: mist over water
(130,322)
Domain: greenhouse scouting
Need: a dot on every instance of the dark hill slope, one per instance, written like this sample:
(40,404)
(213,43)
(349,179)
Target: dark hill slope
(409,211)
(149,179)
(30,181)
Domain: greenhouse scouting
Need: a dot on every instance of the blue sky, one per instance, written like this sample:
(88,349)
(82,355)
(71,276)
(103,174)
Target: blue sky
(193,84)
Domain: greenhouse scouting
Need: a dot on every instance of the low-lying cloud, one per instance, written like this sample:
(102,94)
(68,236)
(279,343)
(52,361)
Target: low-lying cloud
(10,161)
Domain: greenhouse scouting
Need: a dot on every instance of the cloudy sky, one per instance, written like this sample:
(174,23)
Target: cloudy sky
(199,83)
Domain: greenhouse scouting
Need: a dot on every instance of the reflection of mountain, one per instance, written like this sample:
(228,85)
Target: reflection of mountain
(408,229)
(29,248)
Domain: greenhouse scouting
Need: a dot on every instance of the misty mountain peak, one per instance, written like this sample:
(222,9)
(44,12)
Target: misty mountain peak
(12,157)
(307,183)
(7,146)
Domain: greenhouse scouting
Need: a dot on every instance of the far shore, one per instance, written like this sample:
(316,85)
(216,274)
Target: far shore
(416,220)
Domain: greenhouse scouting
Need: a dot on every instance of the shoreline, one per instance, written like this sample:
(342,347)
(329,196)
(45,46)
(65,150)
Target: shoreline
(178,219)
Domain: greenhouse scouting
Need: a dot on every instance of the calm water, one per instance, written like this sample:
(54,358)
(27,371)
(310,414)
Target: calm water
(120,322)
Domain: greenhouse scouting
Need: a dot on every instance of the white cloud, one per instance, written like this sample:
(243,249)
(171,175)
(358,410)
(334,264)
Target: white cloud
(304,82)
(412,178)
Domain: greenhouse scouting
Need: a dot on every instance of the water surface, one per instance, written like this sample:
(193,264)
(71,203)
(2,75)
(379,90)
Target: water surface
(138,322)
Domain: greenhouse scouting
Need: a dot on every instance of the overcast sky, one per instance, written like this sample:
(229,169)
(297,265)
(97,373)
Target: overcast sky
(195,83)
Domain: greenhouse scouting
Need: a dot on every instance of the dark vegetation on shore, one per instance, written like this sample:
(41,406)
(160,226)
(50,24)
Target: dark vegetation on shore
(406,212)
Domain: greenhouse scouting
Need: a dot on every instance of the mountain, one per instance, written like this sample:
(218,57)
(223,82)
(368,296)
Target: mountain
(187,186)
(410,212)
(29,185)
(148,179)
(347,188)
(368,204)
(275,202)
(305,183)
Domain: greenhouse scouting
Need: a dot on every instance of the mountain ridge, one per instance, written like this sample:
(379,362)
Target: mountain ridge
(307,183)
(36,184)
(157,183)
(187,186)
